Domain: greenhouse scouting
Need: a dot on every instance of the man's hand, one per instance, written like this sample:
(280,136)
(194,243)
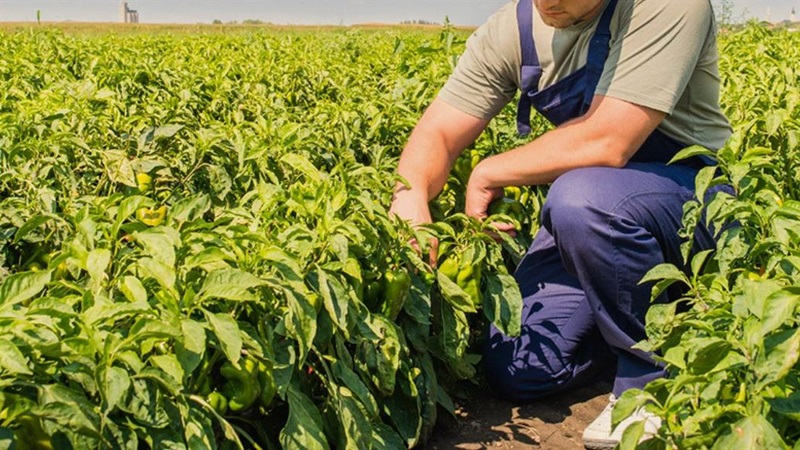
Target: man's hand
(441,135)
(413,208)
(410,206)
(480,195)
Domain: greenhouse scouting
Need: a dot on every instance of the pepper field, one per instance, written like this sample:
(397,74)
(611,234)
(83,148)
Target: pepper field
(195,249)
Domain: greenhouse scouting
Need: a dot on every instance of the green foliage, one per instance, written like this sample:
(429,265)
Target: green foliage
(732,344)
(174,208)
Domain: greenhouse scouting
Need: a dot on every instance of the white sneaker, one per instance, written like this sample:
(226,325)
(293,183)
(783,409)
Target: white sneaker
(598,435)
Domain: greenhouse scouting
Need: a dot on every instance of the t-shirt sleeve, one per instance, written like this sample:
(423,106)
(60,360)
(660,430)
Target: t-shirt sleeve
(486,76)
(655,51)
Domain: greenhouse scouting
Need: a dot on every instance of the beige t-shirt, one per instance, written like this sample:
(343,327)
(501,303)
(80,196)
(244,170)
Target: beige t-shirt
(663,55)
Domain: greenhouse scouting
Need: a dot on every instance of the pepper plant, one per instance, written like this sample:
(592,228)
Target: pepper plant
(732,343)
(196,250)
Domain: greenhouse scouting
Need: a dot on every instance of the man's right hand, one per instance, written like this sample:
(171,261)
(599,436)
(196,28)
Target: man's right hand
(409,206)
(414,210)
(440,136)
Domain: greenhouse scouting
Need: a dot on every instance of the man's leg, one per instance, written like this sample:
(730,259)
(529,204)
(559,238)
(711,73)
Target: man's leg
(559,346)
(611,226)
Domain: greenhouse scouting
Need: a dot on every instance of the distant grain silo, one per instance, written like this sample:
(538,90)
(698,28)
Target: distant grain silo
(127,15)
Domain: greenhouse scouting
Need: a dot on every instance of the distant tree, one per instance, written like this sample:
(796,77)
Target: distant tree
(419,22)
(725,15)
(217,22)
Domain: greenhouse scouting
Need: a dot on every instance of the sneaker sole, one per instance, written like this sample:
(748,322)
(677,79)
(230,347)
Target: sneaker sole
(599,444)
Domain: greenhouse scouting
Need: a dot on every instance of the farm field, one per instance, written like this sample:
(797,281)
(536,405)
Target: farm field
(195,249)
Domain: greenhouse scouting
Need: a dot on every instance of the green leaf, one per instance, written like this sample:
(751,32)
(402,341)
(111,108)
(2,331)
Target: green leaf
(163,274)
(418,302)
(69,408)
(12,360)
(688,152)
(133,289)
(229,284)
(704,178)
(665,271)
(353,420)
(782,353)
(191,346)
(300,323)
(675,356)
(778,309)
(789,406)
(699,260)
(159,243)
(378,357)
(158,376)
(105,311)
(23,286)
(96,264)
(503,304)
(190,208)
(31,225)
(210,259)
(198,430)
(631,436)
(627,404)
(386,437)
(333,297)
(303,165)
(118,167)
(453,341)
(774,119)
(115,384)
(228,334)
(706,353)
(303,430)
(752,433)
(354,383)
(126,209)
(167,131)
(454,295)
(169,365)
(404,408)
(667,274)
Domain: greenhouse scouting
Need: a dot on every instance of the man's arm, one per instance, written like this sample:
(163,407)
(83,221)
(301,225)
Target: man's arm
(607,135)
(439,137)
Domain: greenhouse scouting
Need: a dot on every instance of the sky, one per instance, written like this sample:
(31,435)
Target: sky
(335,12)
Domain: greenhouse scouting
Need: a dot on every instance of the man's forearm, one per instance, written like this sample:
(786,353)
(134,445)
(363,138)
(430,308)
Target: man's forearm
(608,135)
(441,135)
(544,159)
(425,164)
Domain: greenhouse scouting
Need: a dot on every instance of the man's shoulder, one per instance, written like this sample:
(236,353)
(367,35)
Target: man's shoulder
(502,22)
(650,8)
(499,34)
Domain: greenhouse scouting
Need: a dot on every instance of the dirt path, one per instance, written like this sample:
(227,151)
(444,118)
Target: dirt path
(555,423)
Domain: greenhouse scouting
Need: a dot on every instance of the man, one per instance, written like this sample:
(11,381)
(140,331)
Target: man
(627,83)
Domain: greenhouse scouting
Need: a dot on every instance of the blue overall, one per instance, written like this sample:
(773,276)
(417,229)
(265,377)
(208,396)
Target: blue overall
(602,229)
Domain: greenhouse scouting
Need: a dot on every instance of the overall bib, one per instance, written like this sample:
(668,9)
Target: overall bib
(602,229)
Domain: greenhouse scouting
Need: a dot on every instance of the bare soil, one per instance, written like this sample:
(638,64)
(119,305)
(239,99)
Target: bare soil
(554,423)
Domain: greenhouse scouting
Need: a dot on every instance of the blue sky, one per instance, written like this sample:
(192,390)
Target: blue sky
(461,12)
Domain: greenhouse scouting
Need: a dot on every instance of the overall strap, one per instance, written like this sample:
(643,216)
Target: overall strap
(531,71)
(598,53)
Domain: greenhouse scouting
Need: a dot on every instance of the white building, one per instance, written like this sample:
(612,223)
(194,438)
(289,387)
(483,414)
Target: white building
(127,15)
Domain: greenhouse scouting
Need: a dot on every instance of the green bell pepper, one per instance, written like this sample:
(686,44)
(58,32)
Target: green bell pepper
(218,402)
(396,286)
(241,387)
